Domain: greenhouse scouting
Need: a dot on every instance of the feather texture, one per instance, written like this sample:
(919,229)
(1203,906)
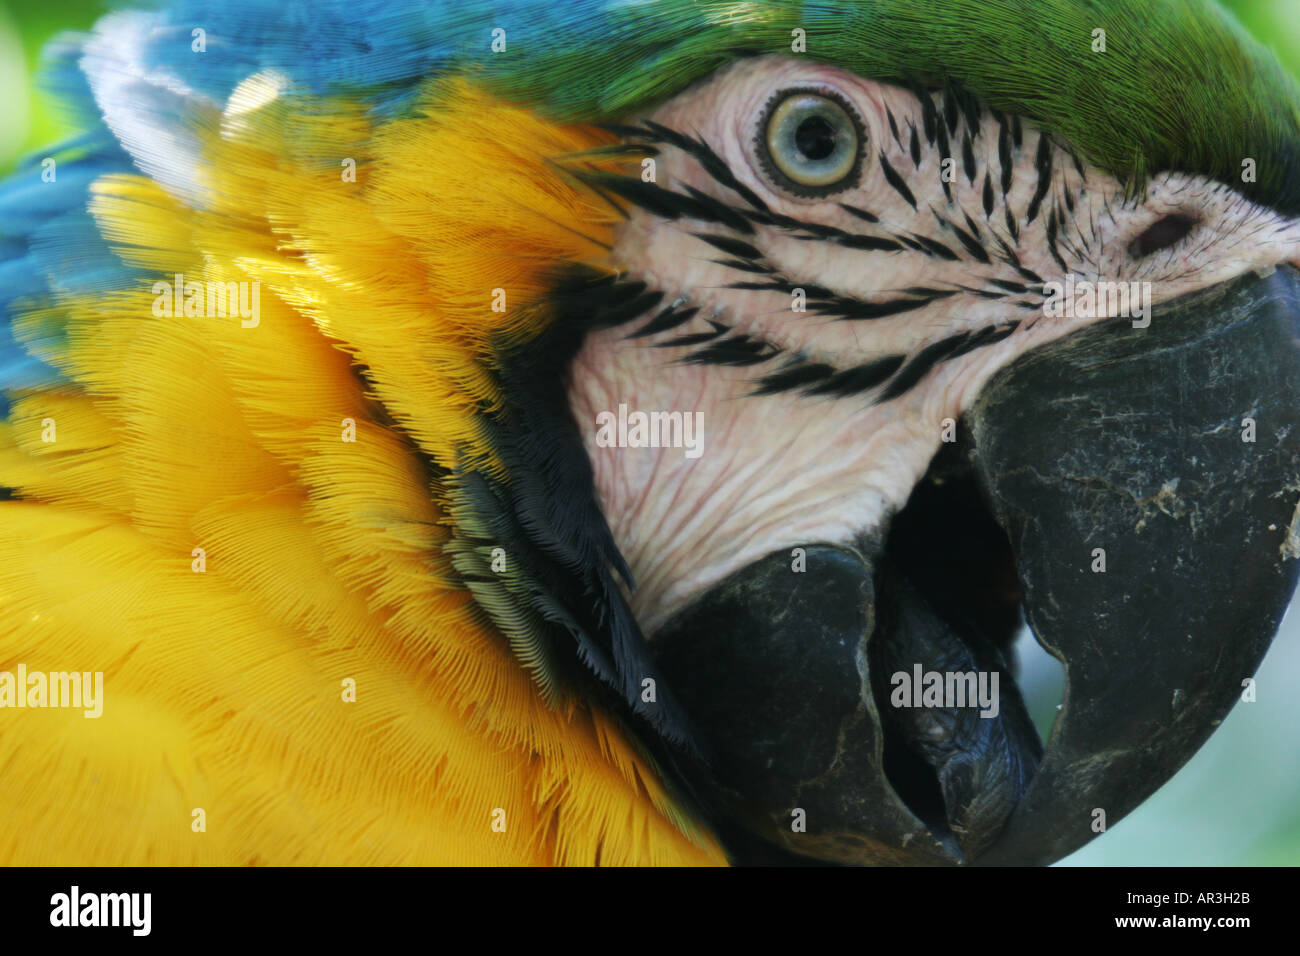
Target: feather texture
(325,558)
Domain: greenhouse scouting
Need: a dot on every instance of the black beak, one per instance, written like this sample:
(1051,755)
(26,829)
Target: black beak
(1136,491)
(1136,441)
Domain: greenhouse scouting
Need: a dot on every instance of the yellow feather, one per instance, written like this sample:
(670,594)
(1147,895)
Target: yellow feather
(320,559)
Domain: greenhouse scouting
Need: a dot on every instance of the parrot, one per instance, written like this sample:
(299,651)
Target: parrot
(598,433)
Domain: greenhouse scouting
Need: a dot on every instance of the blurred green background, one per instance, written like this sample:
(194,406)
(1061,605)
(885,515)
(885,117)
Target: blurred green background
(1237,802)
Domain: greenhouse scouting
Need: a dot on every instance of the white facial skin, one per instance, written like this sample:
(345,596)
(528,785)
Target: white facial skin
(790,469)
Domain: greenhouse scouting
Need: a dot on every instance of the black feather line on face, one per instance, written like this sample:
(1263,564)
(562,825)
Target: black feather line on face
(1052,227)
(732,247)
(1004,155)
(669,318)
(846,309)
(740,350)
(696,338)
(1078,164)
(914,245)
(984,337)
(1043,163)
(968,241)
(931,293)
(950,113)
(867,243)
(810,231)
(859,213)
(983,293)
(858,379)
(1012,228)
(798,377)
(929,116)
(937,248)
(617,313)
(893,127)
(921,364)
(896,181)
(740,265)
(945,154)
(971,109)
(723,214)
(1016,288)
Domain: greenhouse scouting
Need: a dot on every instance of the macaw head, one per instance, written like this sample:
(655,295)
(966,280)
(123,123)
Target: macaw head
(766,365)
(940,319)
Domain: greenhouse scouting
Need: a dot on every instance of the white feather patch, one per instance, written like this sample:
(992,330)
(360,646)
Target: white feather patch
(153,113)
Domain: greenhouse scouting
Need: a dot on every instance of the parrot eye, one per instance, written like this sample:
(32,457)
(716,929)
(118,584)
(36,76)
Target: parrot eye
(811,142)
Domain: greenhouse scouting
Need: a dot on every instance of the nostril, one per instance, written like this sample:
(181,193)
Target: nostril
(1161,234)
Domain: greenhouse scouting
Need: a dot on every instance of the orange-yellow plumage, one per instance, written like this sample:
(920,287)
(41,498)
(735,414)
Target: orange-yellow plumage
(202,532)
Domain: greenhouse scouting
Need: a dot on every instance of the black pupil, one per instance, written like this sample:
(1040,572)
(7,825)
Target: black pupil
(815,138)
